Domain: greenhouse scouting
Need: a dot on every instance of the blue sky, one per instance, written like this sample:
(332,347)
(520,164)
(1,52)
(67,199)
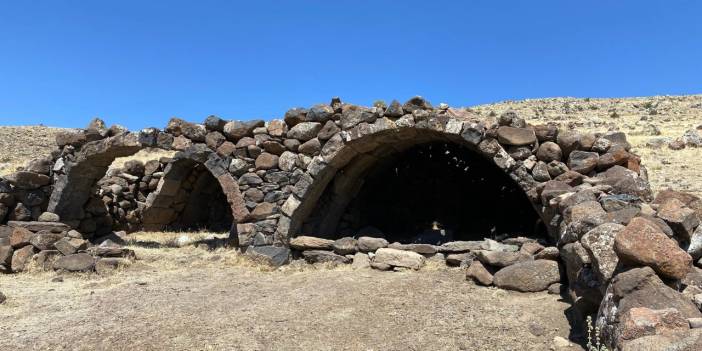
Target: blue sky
(139,63)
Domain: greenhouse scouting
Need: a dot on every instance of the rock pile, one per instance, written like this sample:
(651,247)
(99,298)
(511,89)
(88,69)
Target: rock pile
(55,246)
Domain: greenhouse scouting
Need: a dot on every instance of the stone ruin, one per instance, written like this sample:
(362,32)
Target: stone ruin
(518,206)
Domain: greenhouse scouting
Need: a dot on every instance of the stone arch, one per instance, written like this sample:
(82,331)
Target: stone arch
(72,187)
(347,156)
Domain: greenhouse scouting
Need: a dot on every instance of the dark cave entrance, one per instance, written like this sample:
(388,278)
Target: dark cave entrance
(429,193)
(201,204)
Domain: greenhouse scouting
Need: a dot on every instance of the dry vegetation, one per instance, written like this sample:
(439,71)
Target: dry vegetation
(21,144)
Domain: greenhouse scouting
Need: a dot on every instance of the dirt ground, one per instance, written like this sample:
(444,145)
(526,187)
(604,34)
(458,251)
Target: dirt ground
(190,298)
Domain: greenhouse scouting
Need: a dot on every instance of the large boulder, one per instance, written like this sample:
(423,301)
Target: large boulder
(638,287)
(80,262)
(641,242)
(310,243)
(194,132)
(370,244)
(501,258)
(681,219)
(583,162)
(515,136)
(398,258)
(304,131)
(642,321)
(321,256)
(529,276)
(549,151)
(345,246)
(479,274)
(599,244)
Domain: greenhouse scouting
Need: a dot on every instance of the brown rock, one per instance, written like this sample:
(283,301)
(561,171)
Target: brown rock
(321,256)
(20,237)
(549,151)
(642,321)
(501,258)
(6,252)
(345,246)
(310,243)
(68,246)
(399,258)
(477,273)
(642,242)
(548,253)
(619,156)
(583,162)
(80,262)
(529,276)
(21,257)
(44,240)
(266,161)
(681,219)
(531,248)
(515,136)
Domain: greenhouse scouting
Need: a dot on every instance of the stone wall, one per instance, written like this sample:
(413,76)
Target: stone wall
(589,190)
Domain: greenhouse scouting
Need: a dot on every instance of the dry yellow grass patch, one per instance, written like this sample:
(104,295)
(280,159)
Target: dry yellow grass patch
(145,155)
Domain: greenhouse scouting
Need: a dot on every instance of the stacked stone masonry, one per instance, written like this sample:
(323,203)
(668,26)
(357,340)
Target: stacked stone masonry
(616,250)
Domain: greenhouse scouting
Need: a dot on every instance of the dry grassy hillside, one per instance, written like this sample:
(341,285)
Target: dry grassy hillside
(20,144)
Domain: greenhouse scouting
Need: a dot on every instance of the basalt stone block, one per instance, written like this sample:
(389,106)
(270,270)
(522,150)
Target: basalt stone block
(399,258)
(27,180)
(515,136)
(643,243)
(583,162)
(80,262)
(549,151)
(21,258)
(304,131)
(681,219)
(529,276)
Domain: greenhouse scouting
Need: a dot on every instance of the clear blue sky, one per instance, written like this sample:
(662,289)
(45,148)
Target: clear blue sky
(141,62)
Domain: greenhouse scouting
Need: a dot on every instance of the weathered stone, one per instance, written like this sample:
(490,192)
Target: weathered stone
(53,227)
(394,109)
(546,132)
(548,253)
(107,265)
(616,156)
(48,217)
(6,252)
(263,210)
(45,240)
(529,276)
(80,262)
(45,259)
(478,274)
(320,256)
(686,340)
(311,243)
(20,237)
(569,142)
(194,132)
(320,113)
(277,128)
(642,242)
(416,103)
(515,136)
(461,246)
(399,258)
(599,244)
(642,321)
(214,123)
(68,246)
(360,261)
(681,219)
(531,248)
(549,151)
(266,161)
(275,256)
(304,131)
(236,130)
(27,180)
(459,259)
(501,258)
(370,244)
(345,246)
(424,249)
(21,258)
(311,147)
(583,162)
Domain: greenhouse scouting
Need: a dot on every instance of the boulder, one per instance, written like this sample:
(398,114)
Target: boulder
(321,256)
(681,219)
(311,243)
(549,151)
(478,274)
(20,237)
(236,130)
(642,321)
(275,256)
(399,258)
(27,180)
(515,136)
(304,131)
(53,227)
(460,246)
(68,246)
(370,244)
(641,242)
(360,261)
(48,217)
(460,259)
(345,246)
(80,262)
(689,340)
(501,258)
(6,252)
(583,162)
(266,161)
(599,243)
(638,287)
(44,240)
(21,258)
(424,249)
(529,276)
(548,253)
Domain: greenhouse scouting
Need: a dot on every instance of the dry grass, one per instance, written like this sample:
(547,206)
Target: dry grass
(21,144)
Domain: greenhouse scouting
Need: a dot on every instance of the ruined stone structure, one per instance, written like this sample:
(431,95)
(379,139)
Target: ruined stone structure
(523,207)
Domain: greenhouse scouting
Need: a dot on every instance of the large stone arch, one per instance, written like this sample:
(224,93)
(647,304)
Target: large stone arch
(347,155)
(72,187)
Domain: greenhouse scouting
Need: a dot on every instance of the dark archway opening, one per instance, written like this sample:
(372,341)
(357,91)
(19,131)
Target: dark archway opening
(201,204)
(430,193)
